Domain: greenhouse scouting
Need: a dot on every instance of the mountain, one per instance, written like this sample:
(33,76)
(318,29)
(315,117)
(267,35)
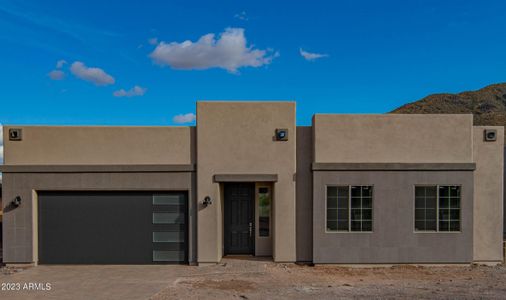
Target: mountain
(488,105)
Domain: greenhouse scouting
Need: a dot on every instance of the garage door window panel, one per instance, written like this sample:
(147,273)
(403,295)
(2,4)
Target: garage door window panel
(169,234)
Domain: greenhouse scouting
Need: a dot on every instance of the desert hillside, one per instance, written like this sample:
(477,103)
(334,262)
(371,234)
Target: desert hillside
(488,105)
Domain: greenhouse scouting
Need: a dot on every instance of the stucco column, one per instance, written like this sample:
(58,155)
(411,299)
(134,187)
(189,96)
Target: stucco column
(488,196)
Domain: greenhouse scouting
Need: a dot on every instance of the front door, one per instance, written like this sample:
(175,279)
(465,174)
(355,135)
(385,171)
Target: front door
(239,218)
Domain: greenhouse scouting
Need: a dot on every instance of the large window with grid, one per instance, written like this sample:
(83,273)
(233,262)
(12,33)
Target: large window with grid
(437,208)
(349,208)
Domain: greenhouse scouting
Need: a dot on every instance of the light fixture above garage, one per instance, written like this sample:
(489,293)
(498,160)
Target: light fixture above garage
(207,201)
(16,201)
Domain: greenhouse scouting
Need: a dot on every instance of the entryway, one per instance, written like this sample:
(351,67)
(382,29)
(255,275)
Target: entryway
(239,213)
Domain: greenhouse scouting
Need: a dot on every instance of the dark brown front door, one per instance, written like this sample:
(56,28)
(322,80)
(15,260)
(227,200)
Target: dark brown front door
(239,218)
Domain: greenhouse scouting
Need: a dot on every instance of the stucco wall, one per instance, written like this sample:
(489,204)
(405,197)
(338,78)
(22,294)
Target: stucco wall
(237,138)
(393,138)
(60,145)
(488,195)
(18,223)
(304,195)
(393,239)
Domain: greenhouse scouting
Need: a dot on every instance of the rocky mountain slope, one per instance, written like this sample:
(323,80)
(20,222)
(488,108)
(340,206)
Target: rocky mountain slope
(488,105)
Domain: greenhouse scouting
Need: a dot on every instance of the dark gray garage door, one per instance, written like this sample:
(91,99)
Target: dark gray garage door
(112,227)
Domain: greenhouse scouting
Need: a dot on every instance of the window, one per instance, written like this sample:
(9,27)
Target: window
(426,208)
(168,218)
(437,208)
(170,255)
(168,237)
(264,211)
(349,208)
(449,208)
(169,234)
(168,199)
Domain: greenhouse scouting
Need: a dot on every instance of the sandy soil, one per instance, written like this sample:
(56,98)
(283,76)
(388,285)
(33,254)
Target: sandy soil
(243,279)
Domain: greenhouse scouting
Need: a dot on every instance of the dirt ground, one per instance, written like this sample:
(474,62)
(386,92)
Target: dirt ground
(265,280)
(244,278)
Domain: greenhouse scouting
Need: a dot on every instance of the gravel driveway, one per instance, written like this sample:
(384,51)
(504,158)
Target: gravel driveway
(247,279)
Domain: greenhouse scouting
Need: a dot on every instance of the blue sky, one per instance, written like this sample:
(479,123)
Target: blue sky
(375,56)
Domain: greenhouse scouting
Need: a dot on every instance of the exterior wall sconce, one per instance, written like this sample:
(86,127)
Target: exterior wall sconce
(15,134)
(281,134)
(16,202)
(207,201)
(490,135)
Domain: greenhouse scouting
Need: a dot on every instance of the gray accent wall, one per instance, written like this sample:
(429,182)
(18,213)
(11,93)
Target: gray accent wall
(393,239)
(304,194)
(18,229)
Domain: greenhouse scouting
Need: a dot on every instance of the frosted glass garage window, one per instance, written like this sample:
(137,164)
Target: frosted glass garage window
(437,208)
(168,237)
(349,208)
(168,218)
(168,256)
(168,199)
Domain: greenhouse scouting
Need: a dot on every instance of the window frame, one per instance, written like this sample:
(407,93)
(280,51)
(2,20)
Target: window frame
(257,191)
(437,209)
(349,186)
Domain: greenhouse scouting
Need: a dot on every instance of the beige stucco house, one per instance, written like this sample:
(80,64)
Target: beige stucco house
(246,180)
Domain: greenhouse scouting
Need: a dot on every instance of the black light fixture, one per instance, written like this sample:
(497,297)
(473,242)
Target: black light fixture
(281,134)
(16,202)
(207,201)
(490,135)
(15,134)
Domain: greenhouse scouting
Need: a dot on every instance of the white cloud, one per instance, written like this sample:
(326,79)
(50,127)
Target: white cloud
(60,63)
(241,16)
(153,41)
(135,91)
(95,75)
(56,75)
(229,51)
(184,118)
(311,56)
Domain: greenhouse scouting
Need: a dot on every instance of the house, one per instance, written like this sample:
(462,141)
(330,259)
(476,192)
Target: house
(349,189)
(1,215)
